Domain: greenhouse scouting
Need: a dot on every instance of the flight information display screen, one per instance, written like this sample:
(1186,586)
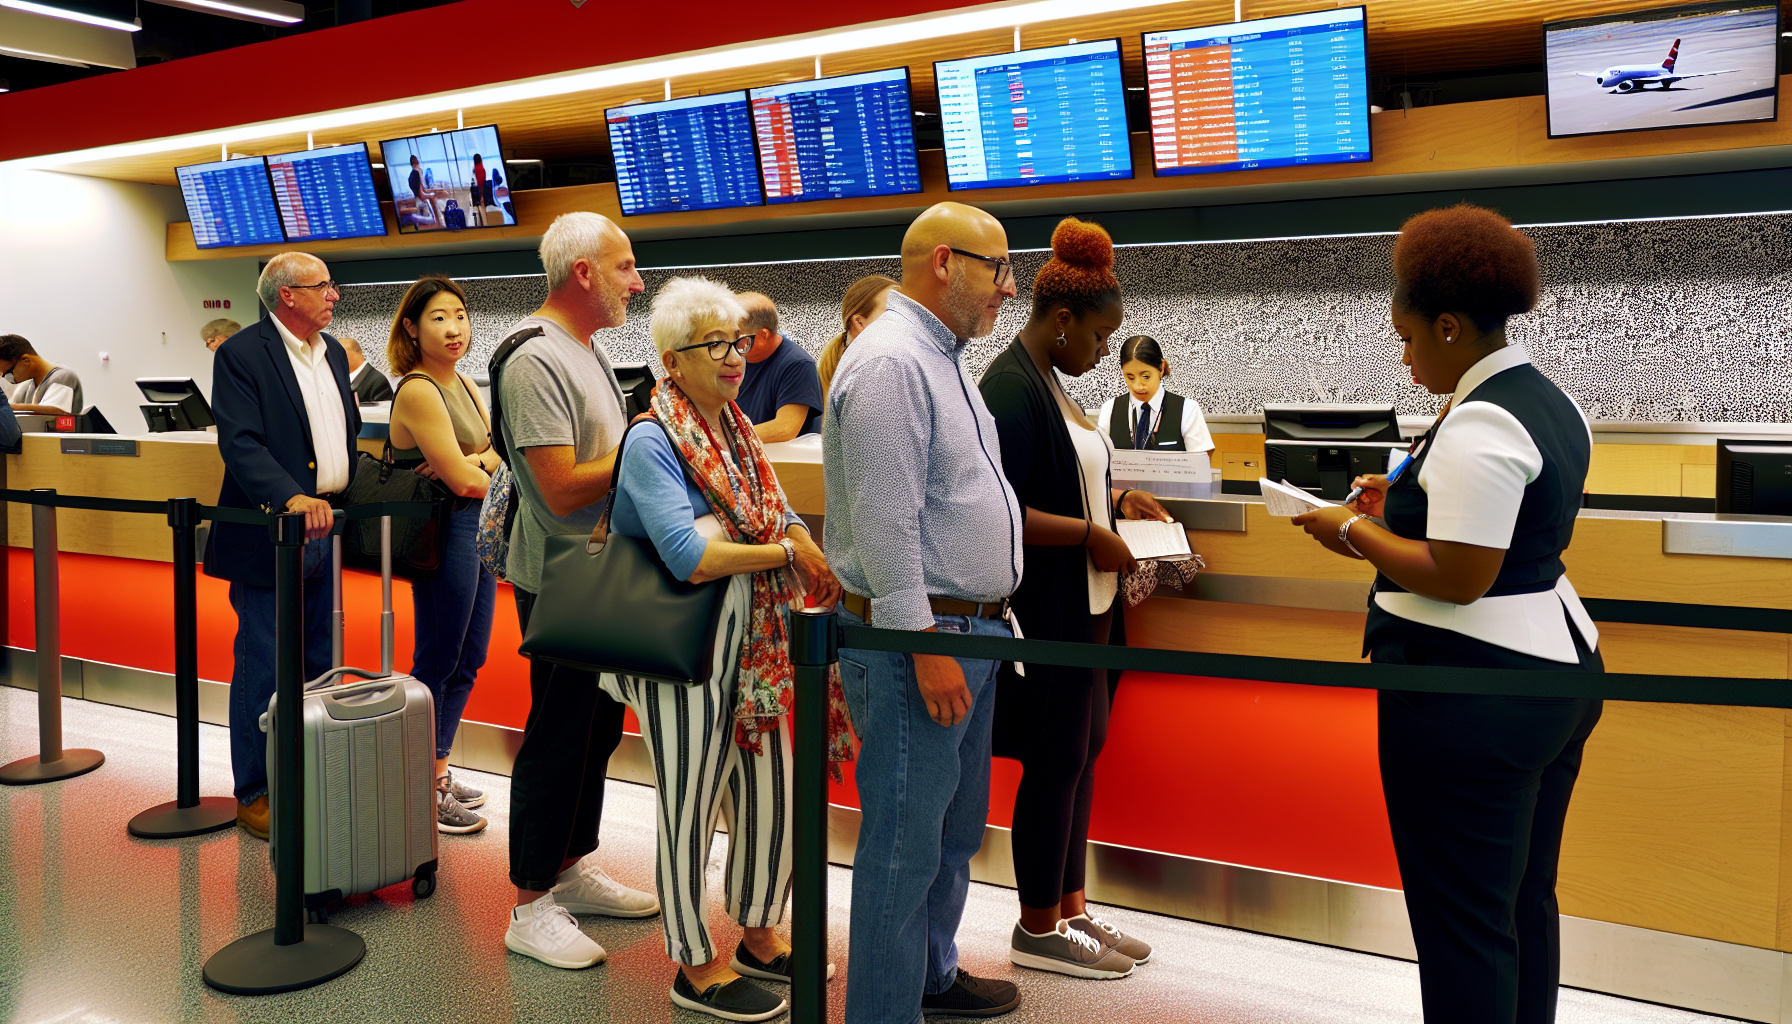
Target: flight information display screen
(1035,117)
(1268,93)
(230,203)
(688,154)
(835,138)
(326,193)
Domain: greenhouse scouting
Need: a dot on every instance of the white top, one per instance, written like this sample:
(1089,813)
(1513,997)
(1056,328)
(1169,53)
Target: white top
(1194,425)
(60,396)
(323,407)
(1094,455)
(1474,481)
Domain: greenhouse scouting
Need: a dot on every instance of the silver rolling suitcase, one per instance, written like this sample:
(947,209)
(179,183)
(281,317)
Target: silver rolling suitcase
(370,807)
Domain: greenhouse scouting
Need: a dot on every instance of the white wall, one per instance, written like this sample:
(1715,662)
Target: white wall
(83,270)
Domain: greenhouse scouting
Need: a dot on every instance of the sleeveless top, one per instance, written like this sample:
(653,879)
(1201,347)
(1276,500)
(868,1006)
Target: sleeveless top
(1166,438)
(463,411)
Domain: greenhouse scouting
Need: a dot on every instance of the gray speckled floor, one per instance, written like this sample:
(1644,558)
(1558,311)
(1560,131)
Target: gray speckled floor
(98,927)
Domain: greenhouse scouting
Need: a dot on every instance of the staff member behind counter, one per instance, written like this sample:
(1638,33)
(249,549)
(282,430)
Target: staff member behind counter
(39,386)
(1155,418)
(1470,574)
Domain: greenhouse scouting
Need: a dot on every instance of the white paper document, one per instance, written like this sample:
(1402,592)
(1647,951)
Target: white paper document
(1154,541)
(1165,474)
(1287,499)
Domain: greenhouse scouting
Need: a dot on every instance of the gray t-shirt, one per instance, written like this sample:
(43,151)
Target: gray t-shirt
(554,390)
(60,387)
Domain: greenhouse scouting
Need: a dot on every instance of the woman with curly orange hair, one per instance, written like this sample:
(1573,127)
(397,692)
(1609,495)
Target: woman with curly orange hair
(1055,720)
(1469,574)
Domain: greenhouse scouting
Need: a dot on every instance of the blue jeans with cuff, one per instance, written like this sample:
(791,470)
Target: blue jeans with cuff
(252,675)
(924,796)
(452,620)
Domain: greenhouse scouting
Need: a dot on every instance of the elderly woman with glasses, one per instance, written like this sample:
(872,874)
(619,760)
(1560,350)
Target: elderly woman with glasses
(693,478)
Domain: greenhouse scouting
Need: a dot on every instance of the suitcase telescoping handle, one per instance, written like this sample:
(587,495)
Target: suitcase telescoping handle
(338,621)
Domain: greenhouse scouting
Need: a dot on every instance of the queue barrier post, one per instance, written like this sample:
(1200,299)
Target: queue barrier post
(814,648)
(52,762)
(190,814)
(292,954)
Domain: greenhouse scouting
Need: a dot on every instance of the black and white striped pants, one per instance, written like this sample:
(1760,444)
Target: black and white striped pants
(700,773)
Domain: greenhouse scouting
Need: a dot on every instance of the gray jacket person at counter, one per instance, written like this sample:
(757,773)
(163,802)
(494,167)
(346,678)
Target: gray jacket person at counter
(925,534)
(40,386)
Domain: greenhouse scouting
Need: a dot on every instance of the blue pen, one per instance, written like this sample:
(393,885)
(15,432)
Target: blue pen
(1357,492)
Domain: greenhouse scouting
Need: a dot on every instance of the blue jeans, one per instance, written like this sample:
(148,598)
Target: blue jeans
(252,677)
(924,794)
(453,625)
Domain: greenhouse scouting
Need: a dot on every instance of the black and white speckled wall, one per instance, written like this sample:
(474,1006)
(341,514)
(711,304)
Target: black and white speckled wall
(1660,321)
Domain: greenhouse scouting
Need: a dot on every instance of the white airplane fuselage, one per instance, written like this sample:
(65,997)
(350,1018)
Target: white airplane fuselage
(1631,77)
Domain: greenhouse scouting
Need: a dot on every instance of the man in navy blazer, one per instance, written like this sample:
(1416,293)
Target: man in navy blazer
(287,423)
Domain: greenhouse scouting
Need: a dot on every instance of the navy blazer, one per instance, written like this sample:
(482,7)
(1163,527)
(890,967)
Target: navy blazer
(264,435)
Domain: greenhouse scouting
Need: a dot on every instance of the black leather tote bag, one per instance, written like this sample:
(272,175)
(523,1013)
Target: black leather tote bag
(418,545)
(609,604)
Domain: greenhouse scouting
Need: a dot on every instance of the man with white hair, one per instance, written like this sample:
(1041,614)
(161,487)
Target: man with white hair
(287,423)
(562,415)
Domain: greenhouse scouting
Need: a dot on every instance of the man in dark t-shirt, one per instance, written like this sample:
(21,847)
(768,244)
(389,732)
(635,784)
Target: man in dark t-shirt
(781,392)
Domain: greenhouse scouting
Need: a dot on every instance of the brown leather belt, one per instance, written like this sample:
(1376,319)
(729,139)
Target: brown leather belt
(861,607)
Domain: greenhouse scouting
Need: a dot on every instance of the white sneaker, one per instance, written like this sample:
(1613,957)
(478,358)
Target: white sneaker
(545,931)
(584,888)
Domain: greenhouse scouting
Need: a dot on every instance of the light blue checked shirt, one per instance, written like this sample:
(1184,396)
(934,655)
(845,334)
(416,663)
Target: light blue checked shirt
(917,503)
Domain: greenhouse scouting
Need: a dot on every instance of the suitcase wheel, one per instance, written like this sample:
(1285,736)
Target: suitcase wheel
(424,886)
(317,915)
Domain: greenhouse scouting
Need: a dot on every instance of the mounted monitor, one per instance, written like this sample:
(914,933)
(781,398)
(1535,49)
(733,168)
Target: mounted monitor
(1274,92)
(1330,422)
(836,138)
(326,193)
(449,181)
(1703,63)
(1035,117)
(1754,477)
(694,153)
(174,403)
(230,203)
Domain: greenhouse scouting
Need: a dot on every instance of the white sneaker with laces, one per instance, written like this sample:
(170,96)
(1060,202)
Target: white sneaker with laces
(544,930)
(585,888)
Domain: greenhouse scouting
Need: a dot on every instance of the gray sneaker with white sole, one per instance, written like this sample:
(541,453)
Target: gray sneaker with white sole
(464,794)
(1067,951)
(1130,946)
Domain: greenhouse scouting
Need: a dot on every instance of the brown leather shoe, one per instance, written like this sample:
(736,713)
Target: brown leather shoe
(254,818)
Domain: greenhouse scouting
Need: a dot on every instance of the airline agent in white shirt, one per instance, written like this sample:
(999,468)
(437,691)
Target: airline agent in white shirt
(1155,419)
(1470,574)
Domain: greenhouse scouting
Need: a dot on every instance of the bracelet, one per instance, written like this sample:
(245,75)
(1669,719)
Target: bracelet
(1121,501)
(1344,533)
(789,551)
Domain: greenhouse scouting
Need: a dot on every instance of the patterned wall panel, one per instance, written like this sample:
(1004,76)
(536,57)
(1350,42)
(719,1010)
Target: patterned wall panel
(1659,321)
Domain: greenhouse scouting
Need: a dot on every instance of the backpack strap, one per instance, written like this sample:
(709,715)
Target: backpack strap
(499,357)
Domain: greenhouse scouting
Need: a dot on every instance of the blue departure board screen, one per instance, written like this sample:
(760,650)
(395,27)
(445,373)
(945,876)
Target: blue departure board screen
(1268,93)
(326,193)
(689,154)
(835,138)
(1035,117)
(230,203)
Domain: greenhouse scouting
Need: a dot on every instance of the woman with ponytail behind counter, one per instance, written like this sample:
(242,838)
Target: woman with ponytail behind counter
(864,302)
(1150,417)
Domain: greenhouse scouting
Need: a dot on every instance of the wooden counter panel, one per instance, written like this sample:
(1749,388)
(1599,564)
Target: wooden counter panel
(1688,651)
(802,485)
(1622,559)
(1273,547)
(162,470)
(1666,469)
(1219,627)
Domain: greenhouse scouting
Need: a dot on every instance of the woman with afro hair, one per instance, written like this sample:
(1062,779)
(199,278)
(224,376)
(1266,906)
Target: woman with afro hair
(1468,556)
(1056,719)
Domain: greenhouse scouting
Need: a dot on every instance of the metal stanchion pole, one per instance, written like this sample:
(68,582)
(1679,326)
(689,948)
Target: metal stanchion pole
(52,762)
(190,814)
(292,954)
(814,647)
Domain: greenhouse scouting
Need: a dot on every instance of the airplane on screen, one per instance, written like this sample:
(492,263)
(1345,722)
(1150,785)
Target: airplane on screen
(1636,77)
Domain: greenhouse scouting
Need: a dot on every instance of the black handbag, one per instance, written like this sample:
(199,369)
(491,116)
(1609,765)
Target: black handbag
(418,545)
(608,603)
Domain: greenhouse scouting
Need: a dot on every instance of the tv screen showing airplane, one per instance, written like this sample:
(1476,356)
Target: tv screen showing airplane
(1670,67)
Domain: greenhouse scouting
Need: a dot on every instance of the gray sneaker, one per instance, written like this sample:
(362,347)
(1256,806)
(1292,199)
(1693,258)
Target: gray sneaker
(1067,951)
(464,794)
(451,817)
(1130,946)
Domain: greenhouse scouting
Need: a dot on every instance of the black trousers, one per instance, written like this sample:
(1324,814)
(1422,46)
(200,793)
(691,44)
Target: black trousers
(1059,728)
(557,783)
(1477,790)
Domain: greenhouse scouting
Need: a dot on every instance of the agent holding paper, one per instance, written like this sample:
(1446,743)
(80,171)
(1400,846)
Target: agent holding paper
(1470,574)
(1055,720)
(1150,417)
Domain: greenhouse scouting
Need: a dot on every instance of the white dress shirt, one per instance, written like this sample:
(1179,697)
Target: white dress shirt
(1474,481)
(323,407)
(1195,437)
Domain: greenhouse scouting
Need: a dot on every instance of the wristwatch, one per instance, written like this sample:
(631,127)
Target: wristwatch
(789,550)
(1344,533)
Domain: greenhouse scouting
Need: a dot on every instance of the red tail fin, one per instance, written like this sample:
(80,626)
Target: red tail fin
(1673,53)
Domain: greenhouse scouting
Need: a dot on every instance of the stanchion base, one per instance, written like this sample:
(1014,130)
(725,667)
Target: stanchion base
(27,771)
(254,966)
(172,821)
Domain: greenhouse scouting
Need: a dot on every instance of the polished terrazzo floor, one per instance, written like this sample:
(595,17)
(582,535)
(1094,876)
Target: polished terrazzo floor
(96,926)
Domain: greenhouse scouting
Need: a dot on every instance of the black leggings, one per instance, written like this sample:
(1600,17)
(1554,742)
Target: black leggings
(1063,726)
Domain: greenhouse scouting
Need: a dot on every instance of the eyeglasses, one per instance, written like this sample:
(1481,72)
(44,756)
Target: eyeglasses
(329,286)
(718,350)
(1004,269)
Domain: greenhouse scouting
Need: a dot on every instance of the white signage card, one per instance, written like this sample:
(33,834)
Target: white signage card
(1165,474)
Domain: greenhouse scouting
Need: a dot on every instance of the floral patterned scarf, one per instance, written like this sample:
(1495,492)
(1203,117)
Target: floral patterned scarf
(747,500)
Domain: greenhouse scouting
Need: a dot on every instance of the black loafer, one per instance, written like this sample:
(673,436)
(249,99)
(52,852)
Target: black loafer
(740,999)
(971,996)
(746,963)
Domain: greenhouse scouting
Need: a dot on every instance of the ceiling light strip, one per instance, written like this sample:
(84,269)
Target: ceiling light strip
(48,11)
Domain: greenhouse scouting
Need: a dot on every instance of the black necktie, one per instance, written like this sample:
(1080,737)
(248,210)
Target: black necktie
(1141,433)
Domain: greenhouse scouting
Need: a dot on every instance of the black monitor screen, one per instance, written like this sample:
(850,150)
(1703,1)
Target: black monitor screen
(836,138)
(694,153)
(449,180)
(231,203)
(326,193)
(1754,477)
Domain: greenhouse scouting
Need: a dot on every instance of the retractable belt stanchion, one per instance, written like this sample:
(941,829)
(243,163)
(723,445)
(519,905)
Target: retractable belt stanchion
(814,648)
(52,762)
(190,814)
(292,954)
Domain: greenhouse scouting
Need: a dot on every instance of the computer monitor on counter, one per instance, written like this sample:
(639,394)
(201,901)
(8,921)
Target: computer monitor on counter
(175,403)
(1332,421)
(1754,477)
(1323,447)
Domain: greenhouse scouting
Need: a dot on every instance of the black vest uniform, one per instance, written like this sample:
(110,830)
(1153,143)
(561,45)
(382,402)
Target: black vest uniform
(1166,438)
(1476,784)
